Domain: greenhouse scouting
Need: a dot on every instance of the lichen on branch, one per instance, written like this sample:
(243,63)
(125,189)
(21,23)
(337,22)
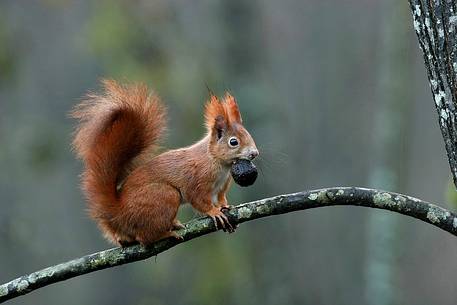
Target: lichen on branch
(351,196)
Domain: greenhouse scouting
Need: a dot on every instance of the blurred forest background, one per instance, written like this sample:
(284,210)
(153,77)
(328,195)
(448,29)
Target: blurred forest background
(335,94)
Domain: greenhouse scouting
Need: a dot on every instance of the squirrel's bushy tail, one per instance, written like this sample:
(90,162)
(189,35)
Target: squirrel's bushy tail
(121,124)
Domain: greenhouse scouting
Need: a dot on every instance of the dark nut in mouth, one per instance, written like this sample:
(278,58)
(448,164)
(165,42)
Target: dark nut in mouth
(244,172)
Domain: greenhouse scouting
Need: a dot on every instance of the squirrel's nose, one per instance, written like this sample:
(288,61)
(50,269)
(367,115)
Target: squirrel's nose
(253,154)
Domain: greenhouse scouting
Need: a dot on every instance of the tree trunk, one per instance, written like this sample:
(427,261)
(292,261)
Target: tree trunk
(435,24)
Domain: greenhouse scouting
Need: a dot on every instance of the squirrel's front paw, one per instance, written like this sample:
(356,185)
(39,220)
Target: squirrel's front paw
(224,207)
(218,216)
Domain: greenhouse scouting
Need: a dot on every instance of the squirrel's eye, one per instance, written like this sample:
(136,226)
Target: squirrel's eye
(233,142)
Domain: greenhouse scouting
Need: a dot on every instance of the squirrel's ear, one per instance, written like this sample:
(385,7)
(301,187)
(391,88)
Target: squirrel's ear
(216,117)
(232,108)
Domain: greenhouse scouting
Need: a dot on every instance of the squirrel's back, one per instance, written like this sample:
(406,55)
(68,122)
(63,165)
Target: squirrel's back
(116,127)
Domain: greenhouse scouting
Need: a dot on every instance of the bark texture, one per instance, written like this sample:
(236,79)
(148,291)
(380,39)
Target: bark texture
(435,24)
(281,204)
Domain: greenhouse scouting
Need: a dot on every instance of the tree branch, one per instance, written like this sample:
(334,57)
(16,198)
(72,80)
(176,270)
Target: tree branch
(435,23)
(371,198)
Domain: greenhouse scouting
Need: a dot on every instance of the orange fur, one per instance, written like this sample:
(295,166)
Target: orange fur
(232,109)
(133,195)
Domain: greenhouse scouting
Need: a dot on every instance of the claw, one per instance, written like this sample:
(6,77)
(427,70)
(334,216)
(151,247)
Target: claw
(215,221)
(174,235)
(225,208)
(177,225)
(227,222)
(219,217)
(222,220)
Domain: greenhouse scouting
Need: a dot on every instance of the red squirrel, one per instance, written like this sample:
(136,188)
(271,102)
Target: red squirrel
(133,191)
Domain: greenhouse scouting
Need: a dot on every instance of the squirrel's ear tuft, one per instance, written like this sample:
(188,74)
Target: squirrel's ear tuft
(232,108)
(216,117)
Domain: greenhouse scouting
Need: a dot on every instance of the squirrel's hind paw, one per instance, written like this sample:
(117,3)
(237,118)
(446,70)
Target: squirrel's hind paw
(177,225)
